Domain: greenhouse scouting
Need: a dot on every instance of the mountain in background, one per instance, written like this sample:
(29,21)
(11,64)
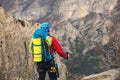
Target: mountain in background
(88,29)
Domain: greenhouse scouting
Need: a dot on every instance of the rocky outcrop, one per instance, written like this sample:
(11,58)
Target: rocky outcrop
(108,75)
(15,61)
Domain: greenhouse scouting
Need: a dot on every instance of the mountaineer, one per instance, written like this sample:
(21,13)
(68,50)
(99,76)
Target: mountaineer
(43,46)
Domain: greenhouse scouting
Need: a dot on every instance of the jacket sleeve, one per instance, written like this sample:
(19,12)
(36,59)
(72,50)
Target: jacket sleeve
(58,48)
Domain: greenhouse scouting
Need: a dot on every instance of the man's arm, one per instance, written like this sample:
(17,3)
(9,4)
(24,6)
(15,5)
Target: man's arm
(58,48)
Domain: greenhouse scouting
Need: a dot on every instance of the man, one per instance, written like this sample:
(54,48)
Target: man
(50,45)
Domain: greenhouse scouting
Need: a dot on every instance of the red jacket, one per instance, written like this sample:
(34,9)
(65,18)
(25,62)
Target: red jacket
(56,47)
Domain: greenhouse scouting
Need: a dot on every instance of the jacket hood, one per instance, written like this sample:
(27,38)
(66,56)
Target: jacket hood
(46,26)
(42,30)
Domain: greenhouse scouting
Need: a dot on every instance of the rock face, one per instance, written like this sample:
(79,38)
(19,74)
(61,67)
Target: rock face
(15,62)
(87,28)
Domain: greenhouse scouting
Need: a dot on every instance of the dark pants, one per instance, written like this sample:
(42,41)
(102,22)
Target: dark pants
(49,67)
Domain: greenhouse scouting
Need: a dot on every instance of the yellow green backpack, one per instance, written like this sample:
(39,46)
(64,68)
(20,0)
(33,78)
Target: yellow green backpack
(35,47)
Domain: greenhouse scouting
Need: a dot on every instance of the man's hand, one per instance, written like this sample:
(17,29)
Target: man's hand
(68,54)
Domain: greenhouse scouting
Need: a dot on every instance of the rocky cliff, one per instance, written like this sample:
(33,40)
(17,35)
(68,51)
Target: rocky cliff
(87,28)
(15,62)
